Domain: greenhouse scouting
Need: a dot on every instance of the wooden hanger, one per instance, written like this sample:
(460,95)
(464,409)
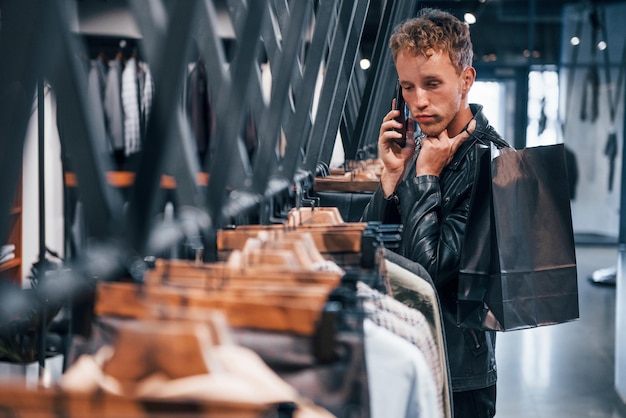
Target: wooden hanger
(143,348)
(343,237)
(361,176)
(285,310)
(159,366)
(327,216)
(109,384)
(20,401)
(219,275)
(271,283)
(305,255)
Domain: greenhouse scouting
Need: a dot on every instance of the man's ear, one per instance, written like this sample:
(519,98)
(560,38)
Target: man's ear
(467,77)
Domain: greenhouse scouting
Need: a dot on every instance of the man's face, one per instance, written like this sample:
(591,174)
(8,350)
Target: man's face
(432,89)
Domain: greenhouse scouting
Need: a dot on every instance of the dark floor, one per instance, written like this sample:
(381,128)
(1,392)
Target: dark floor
(565,370)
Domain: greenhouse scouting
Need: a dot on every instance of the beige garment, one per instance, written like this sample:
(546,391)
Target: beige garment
(162,361)
(417,293)
(410,324)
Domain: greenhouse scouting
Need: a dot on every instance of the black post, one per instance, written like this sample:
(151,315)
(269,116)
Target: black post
(42,217)
(622,207)
(621,260)
(41,163)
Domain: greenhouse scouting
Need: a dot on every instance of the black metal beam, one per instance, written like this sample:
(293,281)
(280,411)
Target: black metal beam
(82,141)
(379,89)
(230,100)
(19,40)
(271,123)
(298,125)
(353,39)
(331,97)
(167,40)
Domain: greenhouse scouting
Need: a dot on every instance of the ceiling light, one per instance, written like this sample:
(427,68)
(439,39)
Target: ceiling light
(602,45)
(575,40)
(469,18)
(365,64)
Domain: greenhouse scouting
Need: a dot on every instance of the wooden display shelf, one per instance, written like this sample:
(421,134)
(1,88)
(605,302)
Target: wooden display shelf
(340,184)
(11,270)
(11,264)
(124,179)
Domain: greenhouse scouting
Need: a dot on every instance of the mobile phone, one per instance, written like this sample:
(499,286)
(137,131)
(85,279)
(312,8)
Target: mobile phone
(400,105)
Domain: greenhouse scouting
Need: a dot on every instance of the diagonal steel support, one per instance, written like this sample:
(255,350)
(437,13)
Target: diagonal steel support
(35,34)
(376,101)
(354,32)
(167,40)
(231,99)
(82,141)
(298,125)
(332,98)
(271,123)
(18,76)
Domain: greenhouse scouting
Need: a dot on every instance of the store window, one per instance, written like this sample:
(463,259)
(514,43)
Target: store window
(498,96)
(492,96)
(498,100)
(544,127)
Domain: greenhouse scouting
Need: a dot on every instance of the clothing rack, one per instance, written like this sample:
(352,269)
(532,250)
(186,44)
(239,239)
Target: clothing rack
(103,203)
(309,38)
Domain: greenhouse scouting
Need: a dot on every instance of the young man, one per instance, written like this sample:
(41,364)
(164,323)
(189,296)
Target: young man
(426,185)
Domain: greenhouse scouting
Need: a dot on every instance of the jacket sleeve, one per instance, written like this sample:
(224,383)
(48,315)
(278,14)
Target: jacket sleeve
(381,209)
(433,231)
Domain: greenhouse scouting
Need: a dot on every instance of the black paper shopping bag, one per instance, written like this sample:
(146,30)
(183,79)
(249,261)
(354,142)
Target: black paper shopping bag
(518,264)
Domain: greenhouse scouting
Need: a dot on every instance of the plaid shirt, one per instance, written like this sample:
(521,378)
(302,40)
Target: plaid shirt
(407,323)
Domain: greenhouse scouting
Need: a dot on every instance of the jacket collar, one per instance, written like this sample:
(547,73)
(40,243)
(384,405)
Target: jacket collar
(482,127)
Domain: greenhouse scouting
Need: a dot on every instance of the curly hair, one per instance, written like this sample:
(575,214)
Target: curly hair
(437,30)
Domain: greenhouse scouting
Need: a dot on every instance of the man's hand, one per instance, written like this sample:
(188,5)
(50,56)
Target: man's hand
(437,151)
(393,156)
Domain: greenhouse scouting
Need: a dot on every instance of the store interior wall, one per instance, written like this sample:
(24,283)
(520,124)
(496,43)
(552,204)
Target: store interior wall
(620,329)
(597,206)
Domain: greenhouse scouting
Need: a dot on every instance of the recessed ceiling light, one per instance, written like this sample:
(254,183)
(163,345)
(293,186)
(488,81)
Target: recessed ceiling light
(470,19)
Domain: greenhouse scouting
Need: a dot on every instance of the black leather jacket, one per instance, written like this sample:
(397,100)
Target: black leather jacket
(433,211)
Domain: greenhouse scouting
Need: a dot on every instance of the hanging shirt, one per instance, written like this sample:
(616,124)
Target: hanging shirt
(409,324)
(398,379)
(198,106)
(94,96)
(113,109)
(147,94)
(130,104)
(409,283)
